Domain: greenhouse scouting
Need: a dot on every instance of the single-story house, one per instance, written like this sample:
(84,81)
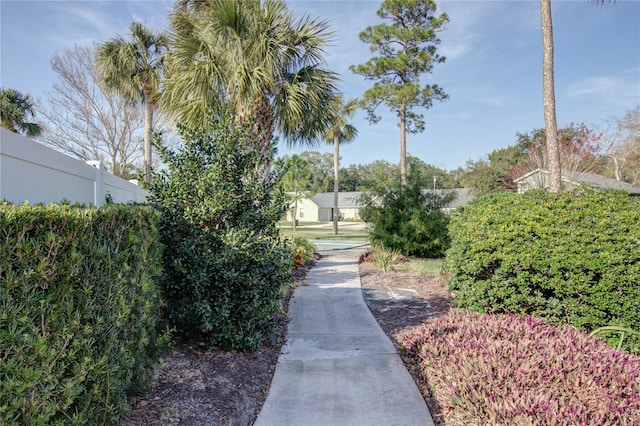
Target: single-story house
(462,196)
(539,179)
(319,207)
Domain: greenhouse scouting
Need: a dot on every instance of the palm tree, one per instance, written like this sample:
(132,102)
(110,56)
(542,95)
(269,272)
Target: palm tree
(549,99)
(254,58)
(133,69)
(296,177)
(15,108)
(340,132)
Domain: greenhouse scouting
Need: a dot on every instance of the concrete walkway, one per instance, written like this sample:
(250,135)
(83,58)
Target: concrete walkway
(337,366)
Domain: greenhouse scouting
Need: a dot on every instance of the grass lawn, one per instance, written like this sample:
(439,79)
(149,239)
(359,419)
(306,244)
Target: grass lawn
(347,231)
(422,267)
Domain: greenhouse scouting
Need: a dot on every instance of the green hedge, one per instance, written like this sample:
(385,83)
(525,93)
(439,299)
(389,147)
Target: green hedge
(572,257)
(78,311)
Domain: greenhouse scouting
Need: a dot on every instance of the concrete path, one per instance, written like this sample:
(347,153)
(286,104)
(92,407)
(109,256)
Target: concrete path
(337,366)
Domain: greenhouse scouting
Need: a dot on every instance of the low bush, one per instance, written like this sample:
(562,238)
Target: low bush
(79,308)
(383,259)
(409,220)
(572,257)
(506,370)
(302,250)
(226,268)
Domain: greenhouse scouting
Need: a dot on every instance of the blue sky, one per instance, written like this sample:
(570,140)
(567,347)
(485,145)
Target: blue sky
(492,73)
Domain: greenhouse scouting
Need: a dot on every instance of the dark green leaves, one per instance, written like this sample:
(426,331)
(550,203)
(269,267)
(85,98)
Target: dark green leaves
(406,50)
(225,263)
(570,257)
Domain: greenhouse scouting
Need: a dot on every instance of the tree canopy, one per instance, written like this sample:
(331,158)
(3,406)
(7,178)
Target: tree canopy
(86,122)
(255,59)
(15,110)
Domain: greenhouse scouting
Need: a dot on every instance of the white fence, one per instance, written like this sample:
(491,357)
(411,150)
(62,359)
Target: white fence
(33,172)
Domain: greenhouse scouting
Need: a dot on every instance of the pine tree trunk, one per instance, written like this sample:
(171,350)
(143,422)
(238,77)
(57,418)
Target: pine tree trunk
(549,99)
(403,146)
(336,186)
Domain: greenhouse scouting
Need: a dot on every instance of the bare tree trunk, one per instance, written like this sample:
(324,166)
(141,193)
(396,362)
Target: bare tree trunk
(617,168)
(549,99)
(148,125)
(336,185)
(403,146)
(295,211)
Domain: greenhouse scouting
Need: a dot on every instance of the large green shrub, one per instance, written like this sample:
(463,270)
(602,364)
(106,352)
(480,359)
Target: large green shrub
(226,266)
(78,311)
(572,257)
(409,220)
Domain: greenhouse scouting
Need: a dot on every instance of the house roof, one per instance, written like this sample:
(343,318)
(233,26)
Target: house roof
(354,199)
(345,199)
(591,179)
(462,196)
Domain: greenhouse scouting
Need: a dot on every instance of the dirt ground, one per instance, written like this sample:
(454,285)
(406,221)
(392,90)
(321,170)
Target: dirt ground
(197,388)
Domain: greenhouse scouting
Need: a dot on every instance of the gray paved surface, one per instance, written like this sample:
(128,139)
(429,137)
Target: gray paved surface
(337,366)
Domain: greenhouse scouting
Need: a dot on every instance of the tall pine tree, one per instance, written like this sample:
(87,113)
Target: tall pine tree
(406,49)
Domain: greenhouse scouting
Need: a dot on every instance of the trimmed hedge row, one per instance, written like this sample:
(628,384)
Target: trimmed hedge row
(78,311)
(572,257)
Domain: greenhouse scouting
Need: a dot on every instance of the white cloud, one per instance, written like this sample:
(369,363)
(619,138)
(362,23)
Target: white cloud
(620,89)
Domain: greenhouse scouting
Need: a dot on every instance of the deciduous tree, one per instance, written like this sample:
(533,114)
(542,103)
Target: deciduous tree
(624,155)
(86,122)
(581,150)
(321,166)
(407,50)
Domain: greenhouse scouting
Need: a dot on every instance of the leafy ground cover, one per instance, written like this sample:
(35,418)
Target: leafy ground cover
(505,369)
(501,369)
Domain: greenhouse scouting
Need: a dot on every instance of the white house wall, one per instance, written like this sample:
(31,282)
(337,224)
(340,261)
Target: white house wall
(307,211)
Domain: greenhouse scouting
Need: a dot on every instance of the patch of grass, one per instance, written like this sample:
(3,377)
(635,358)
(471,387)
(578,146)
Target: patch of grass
(326,234)
(287,223)
(385,259)
(422,267)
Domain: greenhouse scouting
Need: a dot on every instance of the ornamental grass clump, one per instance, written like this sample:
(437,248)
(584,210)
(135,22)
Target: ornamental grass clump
(302,250)
(502,369)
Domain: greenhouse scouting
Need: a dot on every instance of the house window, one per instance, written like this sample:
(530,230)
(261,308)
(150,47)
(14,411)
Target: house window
(301,213)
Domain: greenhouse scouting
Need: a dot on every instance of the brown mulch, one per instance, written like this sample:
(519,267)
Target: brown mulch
(194,387)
